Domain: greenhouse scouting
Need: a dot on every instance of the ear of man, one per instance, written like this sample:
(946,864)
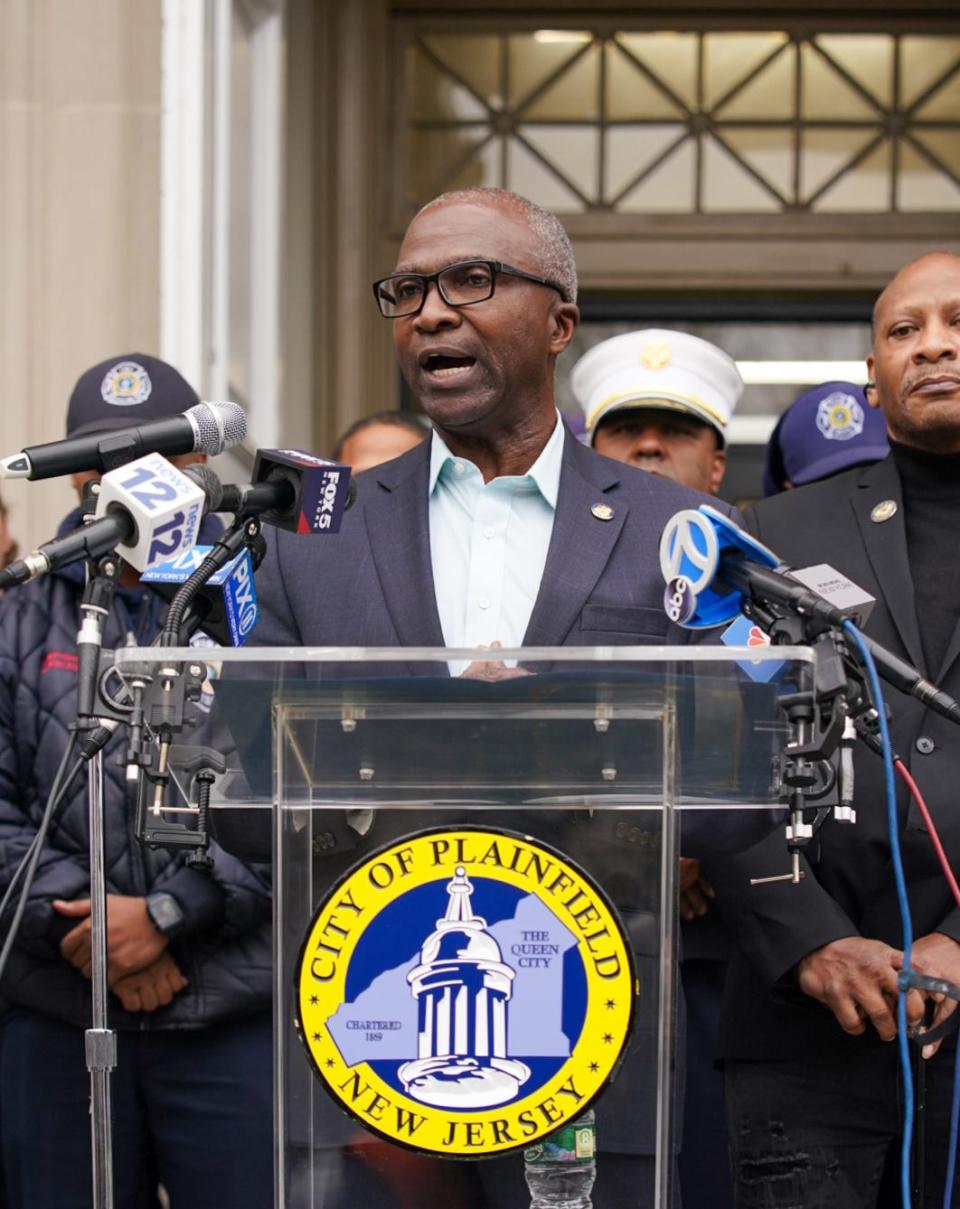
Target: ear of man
(566,316)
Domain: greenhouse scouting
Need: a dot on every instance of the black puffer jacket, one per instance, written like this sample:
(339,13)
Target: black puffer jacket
(224,949)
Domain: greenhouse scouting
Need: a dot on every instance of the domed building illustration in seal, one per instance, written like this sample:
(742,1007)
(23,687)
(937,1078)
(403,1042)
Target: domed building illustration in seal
(462,987)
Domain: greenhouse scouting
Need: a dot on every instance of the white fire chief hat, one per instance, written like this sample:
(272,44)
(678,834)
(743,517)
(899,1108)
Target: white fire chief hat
(657,368)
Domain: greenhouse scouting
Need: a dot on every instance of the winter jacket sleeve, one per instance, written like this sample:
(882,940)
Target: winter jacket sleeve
(24,624)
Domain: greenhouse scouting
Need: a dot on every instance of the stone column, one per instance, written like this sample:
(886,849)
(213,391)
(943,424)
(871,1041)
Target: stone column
(79,214)
(338,358)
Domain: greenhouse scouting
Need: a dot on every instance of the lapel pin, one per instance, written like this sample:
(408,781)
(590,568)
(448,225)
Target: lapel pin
(883,511)
(603,512)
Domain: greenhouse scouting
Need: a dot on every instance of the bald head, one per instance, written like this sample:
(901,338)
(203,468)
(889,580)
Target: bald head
(915,360)
(929,263)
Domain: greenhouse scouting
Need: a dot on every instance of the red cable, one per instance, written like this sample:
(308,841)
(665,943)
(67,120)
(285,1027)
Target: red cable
(934,837)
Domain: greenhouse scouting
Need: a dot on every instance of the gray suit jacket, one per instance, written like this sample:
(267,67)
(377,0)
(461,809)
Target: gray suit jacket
(373,585)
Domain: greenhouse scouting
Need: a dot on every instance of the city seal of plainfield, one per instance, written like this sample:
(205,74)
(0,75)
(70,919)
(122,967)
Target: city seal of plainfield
(464,992)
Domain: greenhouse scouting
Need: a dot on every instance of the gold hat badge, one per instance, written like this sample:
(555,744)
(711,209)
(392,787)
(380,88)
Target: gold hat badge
(656,355)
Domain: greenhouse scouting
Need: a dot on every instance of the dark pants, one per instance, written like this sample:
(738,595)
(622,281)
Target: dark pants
(704,1160)
(826,1135)
(192,1109)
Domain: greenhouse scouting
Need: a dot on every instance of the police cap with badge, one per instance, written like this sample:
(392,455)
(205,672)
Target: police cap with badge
(827,429)
(133,388)
(658,369)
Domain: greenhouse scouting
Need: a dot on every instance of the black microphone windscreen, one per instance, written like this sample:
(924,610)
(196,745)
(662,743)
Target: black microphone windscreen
(208,481)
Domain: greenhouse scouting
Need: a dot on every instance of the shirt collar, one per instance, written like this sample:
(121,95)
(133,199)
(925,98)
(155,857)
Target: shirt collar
(545,471)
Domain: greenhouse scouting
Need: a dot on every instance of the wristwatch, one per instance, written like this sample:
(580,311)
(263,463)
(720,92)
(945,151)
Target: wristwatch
(165,913)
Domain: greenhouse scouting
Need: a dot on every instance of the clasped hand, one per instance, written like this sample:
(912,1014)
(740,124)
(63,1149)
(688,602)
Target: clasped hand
(695,892)
(492,669)
(140,972)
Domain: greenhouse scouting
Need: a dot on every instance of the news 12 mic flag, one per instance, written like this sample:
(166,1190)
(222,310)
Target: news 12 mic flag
(166,508)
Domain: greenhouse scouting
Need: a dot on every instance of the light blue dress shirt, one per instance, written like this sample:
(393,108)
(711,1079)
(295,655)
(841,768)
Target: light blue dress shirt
(488,544)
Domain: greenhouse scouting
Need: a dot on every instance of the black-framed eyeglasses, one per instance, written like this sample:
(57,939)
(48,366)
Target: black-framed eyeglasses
(403,294)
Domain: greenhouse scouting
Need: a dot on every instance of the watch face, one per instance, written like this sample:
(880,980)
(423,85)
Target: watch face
(164,911)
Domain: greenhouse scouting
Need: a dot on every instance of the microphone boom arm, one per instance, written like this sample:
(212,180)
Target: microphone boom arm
(762,585)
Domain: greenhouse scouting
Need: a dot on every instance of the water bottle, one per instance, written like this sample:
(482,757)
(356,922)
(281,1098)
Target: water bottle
(561,1169)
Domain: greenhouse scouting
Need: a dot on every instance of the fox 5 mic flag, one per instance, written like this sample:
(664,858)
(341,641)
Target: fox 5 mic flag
(321,489)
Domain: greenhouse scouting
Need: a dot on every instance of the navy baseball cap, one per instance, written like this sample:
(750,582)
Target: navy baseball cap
(827,429)
(127,390)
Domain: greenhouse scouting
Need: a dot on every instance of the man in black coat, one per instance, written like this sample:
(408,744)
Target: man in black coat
(813,1090)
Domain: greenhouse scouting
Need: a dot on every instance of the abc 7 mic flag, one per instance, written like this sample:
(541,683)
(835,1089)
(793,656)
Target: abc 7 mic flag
(692,548)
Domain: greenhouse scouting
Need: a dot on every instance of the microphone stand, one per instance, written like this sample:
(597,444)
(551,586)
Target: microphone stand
(818,763)
(100,1041)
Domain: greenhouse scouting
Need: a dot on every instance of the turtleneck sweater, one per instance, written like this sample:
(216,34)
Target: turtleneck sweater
(931,506)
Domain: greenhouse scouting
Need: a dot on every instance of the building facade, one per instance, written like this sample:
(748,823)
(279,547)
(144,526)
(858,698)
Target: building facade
(220,180)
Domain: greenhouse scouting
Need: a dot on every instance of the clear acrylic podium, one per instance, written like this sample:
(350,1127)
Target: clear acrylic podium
(475,894)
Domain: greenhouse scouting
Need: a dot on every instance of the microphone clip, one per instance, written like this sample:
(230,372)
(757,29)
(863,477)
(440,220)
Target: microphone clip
(202,765)
(95,605)
(815,770)
(160,696)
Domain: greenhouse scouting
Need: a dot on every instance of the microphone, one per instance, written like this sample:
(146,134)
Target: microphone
(690,551)
(711,566)
(89,541)
(225,608)
(292,490)
(147,511)
(205,428)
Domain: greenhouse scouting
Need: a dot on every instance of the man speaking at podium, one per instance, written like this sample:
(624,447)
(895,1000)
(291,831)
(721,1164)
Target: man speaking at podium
(502,529)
